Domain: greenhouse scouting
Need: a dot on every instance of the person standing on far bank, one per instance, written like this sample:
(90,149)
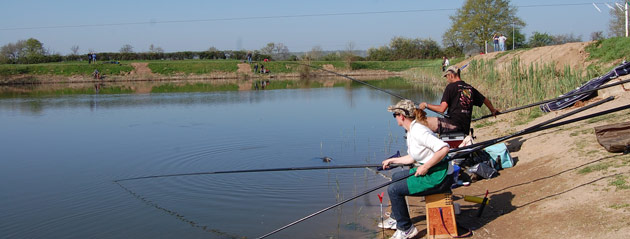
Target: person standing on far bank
(502,40)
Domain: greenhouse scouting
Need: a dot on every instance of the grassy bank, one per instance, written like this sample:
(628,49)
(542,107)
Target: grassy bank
(200,67)
(64,69)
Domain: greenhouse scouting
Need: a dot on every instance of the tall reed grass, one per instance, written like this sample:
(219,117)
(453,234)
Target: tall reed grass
(515,85)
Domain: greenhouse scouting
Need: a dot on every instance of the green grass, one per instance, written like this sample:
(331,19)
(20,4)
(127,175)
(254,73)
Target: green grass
(485,123)
(595,168)
(64,69)
(581,132)
(620,183)
(601,118)
(620,206)
(395,66)
(611,49)
(196,67)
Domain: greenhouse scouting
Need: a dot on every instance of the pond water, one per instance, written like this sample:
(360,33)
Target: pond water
(61,154)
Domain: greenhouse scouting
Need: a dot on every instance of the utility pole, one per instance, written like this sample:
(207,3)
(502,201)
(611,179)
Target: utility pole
(626,15)
(514,39)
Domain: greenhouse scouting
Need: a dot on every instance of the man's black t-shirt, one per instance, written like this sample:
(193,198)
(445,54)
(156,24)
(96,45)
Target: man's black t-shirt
(460,98)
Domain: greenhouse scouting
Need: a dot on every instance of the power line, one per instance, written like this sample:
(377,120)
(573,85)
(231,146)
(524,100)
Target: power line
(274,17)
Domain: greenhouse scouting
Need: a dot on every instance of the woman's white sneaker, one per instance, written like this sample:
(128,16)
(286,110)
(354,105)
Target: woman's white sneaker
(410,233)
(389,223)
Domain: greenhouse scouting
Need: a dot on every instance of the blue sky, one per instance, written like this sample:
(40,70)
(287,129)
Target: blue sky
(189,25)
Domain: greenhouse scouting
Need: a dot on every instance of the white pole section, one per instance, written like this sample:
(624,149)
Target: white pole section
(626,18)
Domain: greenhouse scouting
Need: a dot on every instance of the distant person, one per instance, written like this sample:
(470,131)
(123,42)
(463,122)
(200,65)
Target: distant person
(459,98)
(255,67)
(89,58)
(249,57)
(94,57)
(262,69)
(495,40)
(96,74)
(502,40)
(445,63)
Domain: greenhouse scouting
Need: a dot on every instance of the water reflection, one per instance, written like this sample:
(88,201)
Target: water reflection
(33,98)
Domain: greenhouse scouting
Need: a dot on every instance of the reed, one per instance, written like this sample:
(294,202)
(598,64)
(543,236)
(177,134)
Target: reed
(517,84)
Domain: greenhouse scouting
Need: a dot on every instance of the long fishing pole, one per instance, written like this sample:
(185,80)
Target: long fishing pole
(263,170)
(367,84)
(388,183)
(526,130)
(334,205)
(554,99)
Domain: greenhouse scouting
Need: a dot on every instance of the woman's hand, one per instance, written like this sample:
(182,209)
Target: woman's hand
(422,170)
(386,163)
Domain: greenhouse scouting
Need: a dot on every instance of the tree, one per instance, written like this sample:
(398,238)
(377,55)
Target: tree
(268,49)
(74,49)
(12,52)
(616,26)
(478,20)
(382,53)
(598,35)
(565,38)
(126,49)
(315,53)
(153,49)
(540,39)
(276,50)
(34,48)
(281,52)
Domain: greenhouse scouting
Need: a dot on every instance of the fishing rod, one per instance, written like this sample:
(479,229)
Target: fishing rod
(378,166)
(554,99)
(455,150)
(334,205)
(366,84)
(475,147)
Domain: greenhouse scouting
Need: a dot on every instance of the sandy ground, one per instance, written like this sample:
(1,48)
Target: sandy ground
(564,184)
(570,54)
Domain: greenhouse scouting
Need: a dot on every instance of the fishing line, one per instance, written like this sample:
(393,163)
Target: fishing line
(176,214)
(366,84)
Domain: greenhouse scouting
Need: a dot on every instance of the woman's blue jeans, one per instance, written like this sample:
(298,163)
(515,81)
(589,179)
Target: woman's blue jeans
(397,192)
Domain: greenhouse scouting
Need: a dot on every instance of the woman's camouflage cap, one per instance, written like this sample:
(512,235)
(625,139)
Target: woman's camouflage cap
(404,107)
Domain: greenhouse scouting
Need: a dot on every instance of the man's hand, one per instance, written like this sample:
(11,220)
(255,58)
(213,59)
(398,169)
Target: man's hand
(423,105)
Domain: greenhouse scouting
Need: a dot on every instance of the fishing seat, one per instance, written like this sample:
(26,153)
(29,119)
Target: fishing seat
(453,139)
(439,211)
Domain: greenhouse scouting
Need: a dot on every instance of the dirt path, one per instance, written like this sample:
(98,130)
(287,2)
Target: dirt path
(141,69)
(244,68)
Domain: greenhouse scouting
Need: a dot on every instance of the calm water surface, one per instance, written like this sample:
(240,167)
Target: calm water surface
(61,154)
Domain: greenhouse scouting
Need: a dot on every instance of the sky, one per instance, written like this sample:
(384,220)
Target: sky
(105,26)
